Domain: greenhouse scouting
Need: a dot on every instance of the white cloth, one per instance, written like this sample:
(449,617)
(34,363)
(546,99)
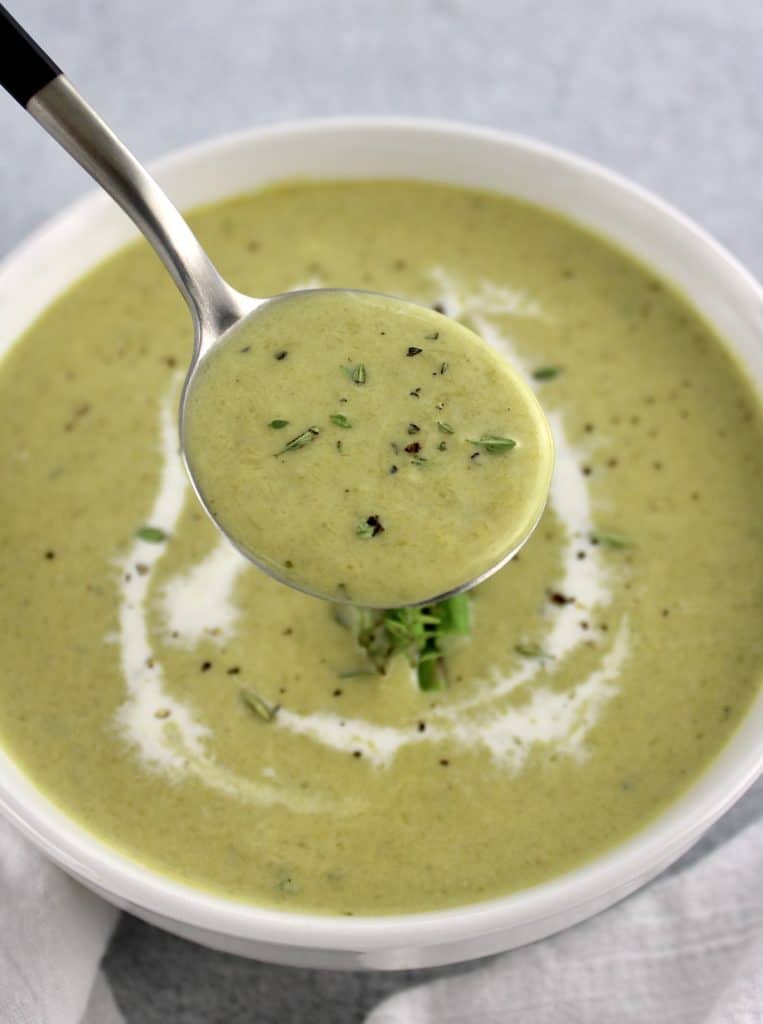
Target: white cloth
(52,936)
(687,950)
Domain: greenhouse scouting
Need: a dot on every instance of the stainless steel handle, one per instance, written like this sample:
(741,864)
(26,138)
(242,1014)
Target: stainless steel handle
(32,78)
(63,113)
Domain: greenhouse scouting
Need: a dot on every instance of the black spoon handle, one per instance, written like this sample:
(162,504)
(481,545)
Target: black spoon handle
(25,68)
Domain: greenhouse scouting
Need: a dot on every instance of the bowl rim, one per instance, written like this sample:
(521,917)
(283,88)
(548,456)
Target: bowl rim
(672,830)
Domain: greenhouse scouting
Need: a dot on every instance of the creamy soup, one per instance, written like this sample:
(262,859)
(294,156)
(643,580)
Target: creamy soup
(367,449)
(232,733)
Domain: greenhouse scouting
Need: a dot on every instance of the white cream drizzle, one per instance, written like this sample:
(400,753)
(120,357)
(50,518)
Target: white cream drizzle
(200,600)
(490,299)
(175,742)
(199,603)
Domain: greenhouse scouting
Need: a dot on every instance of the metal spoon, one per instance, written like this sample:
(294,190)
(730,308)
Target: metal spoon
(217,309)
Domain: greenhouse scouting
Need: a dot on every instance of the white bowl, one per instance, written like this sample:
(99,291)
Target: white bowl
(354,148)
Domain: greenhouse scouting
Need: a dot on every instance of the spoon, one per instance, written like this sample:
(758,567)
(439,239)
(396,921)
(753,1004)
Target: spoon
(219,312)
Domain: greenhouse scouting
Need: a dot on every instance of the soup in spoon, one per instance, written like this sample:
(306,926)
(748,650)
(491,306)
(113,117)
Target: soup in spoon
(367,449)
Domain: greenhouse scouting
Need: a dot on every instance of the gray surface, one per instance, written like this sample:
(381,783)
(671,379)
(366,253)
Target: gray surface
(668,93)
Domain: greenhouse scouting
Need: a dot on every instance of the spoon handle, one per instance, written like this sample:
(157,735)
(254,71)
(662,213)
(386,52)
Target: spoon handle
(32,78)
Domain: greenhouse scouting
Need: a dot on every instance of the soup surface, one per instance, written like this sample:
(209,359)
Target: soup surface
(367,449)
(226,730)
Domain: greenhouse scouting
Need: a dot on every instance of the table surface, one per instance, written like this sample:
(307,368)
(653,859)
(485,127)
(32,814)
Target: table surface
(668,94)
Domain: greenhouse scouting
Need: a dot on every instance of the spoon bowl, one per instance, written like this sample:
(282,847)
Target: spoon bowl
(398,506)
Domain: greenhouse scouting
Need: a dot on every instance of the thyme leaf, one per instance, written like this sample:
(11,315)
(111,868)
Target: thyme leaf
(494,443)
(357,373)
(261,708)
(151,534)
(531,650)
(300,440)
(370,527)
(610,539)
(340,421)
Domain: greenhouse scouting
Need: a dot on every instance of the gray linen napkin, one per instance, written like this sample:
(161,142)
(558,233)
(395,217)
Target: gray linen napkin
(687,950)
(52,938)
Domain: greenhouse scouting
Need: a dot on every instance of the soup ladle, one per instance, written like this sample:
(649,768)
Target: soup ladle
(217,309)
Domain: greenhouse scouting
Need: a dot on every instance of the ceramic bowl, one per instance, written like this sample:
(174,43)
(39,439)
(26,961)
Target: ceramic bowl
(658,235)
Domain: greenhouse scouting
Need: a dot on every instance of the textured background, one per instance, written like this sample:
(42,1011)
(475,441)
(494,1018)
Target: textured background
(669,93)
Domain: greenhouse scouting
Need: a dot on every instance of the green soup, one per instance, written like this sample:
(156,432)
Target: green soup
(367,449)
(607,665)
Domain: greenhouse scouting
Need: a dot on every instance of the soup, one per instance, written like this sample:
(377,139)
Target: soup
(366,449)
(232,733)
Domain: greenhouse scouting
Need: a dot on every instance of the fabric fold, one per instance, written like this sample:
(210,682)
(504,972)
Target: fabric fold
(687,950)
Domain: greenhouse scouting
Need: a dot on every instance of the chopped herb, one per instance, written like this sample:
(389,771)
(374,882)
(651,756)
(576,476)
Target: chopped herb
(281,355)
(445,428)
(443,446)
(494,443)
(432,337)
(340,421)
(431,675)
(443,368)
(455,615)
(151,534)
(357,374)
(286,883)
(547,372)
(356,673)
(419,460)
(300,440)
(531,650)
(370,527)
(611,540)
(267,712)
(278,424)
(413,428)
(416,393)
(393,469)
(413,447)
(413,351)
(424,636)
